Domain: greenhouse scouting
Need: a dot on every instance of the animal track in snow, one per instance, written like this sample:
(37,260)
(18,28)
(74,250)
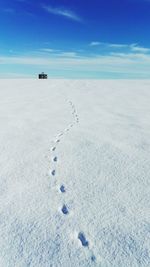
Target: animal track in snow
(67,130)
(62,189)
(85,243)
(53,172)
(65,210)
(60,134)
(83,240)
(93,258)
(55,159)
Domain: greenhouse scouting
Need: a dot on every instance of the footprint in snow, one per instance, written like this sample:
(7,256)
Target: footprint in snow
(62,189)
(53,172)
(65,210)
(60,134)
(53,148)
(57,141)
(93,258)
(85,243)
(83,240)
(55,159)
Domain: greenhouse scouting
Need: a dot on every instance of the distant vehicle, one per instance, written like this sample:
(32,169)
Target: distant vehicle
(43,76)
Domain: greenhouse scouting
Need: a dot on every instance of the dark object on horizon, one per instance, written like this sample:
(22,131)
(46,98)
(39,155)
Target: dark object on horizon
(43,76)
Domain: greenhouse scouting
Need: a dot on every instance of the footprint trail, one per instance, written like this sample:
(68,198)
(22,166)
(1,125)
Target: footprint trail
(65,211)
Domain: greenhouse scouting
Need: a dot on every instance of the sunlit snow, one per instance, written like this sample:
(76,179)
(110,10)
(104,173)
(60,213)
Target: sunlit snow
(74,173)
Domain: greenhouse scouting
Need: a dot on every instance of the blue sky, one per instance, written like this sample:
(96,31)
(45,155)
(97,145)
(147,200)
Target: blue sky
(75,38)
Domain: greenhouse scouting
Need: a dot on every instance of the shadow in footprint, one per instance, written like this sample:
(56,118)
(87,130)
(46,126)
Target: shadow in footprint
(55,159)
(62,189)
(60,134)
(53,172)
(53,148)
(93,258)
(83,240)
(65,210)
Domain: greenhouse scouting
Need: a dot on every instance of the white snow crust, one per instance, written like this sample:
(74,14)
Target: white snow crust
(74,173)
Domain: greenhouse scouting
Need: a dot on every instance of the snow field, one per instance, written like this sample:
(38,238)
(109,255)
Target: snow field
(74,179)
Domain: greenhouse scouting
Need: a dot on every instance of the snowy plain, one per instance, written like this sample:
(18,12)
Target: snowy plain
(74,173)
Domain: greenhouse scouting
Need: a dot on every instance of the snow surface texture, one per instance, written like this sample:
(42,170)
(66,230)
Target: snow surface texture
(74,173)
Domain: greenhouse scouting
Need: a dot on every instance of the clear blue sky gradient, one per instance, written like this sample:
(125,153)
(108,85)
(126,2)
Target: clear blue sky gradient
(75,39)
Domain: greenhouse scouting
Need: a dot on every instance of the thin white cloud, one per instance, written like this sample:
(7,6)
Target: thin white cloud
(131,47)
(54,53)
(68,54)
(96,43)
(133,56)
(136,48)
(62,12)
(118,45)
(47,50)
